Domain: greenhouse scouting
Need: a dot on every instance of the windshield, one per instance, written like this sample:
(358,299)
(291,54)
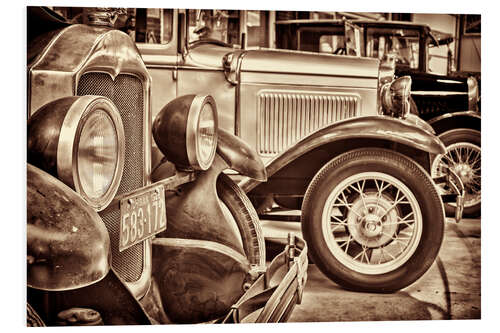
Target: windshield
(214,25)
(403,44)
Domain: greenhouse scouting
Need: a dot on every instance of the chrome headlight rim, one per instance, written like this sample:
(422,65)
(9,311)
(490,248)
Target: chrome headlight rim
(395,97)
(192,132)
(68,145)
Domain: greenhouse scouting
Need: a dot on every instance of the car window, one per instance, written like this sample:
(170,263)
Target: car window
(330,40)
(149,25)
(402,43)
(214,25)
(143,25)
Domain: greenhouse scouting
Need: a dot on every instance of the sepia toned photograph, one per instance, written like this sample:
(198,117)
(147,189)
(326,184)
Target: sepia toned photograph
(188,166)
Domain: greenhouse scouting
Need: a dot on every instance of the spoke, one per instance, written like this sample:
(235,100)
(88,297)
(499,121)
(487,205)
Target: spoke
(346,204)
(396,238)
(360,189)
(397,201)
(338,221)
(346,243)
(381,256)
(365,251)
(380,190)
(469,154)
(390,255)
(402,220)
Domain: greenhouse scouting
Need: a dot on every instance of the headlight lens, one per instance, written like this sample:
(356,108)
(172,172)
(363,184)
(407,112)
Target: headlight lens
(206,135)
(97,154)
(395,97)
(185,131)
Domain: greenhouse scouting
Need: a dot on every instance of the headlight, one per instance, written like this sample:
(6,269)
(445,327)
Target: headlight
(185,130)
(395,97)
(81,141)
(473,93)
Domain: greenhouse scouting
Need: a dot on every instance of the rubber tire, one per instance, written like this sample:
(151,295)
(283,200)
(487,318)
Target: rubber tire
(462,135)
(400,167)
(246,218)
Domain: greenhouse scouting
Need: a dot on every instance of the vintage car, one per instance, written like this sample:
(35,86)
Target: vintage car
(449,103)
(119,231)
(371,214)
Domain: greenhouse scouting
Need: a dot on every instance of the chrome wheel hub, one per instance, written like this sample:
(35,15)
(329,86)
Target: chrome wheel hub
(374,227)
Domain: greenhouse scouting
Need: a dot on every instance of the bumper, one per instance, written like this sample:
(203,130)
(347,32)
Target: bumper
(453,181)
(274,302)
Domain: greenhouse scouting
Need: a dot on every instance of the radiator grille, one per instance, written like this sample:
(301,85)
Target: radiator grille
(126,91)
(285,118)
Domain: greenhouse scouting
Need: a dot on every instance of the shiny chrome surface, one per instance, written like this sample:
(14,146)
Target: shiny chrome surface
(368,232)
(68,246)
(285,117)
(192,132)
(472,93)
(67,157)
(395,97)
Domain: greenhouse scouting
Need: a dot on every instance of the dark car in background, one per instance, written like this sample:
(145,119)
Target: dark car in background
(120,232)
(449,103)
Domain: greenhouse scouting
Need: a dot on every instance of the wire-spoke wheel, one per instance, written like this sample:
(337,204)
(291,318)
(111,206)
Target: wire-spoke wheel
(372,223)
(373,220)
(463,155)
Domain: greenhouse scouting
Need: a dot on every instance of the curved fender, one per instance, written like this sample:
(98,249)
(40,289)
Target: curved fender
(373,127)
(194,212)
(197,280)
(110,297)
(452,120)
(240,156)
(68,245)
(472,114)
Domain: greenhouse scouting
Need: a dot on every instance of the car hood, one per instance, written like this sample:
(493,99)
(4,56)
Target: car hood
(434,82)
(284,61)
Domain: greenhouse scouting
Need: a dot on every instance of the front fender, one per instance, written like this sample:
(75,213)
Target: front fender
(451,120)
(68,245)
(373,127)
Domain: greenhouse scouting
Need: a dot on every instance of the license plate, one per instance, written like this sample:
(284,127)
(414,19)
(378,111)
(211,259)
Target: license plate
(142,216)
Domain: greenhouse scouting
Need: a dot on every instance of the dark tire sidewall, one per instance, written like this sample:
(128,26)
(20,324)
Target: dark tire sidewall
(414,178)
(246,218)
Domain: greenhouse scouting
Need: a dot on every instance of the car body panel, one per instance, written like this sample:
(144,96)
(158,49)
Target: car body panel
(68,245)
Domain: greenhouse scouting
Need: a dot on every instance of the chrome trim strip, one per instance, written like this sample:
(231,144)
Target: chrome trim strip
(438,93)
